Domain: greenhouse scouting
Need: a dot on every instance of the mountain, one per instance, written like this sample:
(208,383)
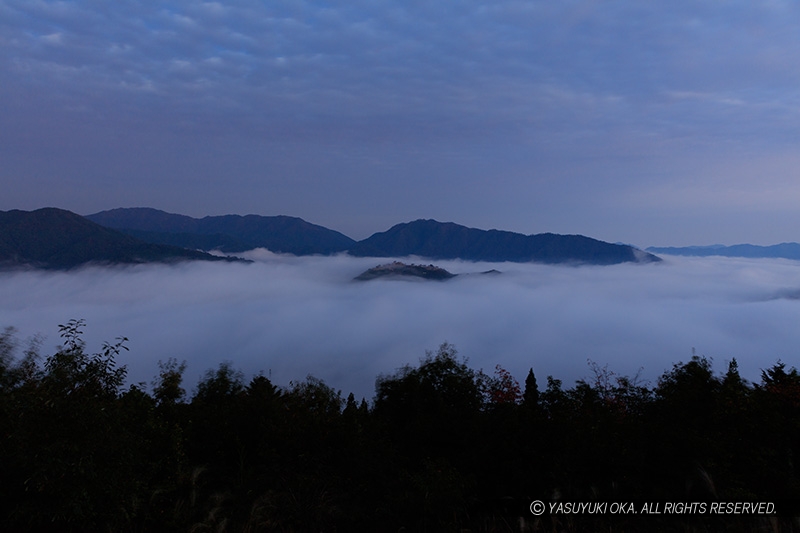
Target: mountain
(425,238)
(228,233)
(192,241)
(55,238)
(786,250)
(437,240)
(402,270)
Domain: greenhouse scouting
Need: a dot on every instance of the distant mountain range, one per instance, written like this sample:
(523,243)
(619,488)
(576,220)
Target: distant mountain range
(54,238)
(437,240)
(228,233)
(424,238)
(786,250)
(58,239)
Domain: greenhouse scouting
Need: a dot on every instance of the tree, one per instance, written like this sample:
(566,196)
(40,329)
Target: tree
(530,398)
(432,407)
(167,388)
(216,417)
(783,385)
(777,414)
(502,389)
(71,449)
(224,382)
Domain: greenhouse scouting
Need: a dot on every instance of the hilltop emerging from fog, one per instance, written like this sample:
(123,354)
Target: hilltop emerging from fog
(402,270)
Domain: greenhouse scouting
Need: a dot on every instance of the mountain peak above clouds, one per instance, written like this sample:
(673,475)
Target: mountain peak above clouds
(54,238)
(228,233)
(447,240)
(57,239)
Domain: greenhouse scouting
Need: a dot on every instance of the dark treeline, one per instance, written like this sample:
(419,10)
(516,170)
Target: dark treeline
(441,447)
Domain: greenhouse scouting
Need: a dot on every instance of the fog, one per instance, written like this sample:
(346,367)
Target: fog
(289,317)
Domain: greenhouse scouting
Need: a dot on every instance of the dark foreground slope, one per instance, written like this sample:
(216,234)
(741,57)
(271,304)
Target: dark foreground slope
(437,240)
(55,238)
(442,447)
(228,233)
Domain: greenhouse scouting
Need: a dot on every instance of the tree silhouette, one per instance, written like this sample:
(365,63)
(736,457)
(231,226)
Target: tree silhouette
(444,447)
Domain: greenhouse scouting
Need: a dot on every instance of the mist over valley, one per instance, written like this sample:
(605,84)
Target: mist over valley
(291,316)
(301,200)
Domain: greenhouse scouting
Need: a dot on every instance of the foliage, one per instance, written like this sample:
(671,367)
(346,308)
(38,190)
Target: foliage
(443,447)
(502,388)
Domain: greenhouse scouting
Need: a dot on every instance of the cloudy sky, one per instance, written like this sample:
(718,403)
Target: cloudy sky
(654,123)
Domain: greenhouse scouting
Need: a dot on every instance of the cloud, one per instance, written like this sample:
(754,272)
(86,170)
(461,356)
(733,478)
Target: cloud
(469,62)
(342,112)
(290,317)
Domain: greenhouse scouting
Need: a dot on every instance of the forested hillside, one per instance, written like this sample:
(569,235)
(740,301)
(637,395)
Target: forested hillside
(438,240)
(441,447)
(229,233)
(58,239)
(424,238)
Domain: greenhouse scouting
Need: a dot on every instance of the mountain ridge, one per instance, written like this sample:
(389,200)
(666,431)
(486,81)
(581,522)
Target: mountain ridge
(52,238)
(280,234)
(424,237)
(447,240)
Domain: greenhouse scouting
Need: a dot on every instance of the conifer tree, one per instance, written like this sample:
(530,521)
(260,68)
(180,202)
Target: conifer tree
(530,398)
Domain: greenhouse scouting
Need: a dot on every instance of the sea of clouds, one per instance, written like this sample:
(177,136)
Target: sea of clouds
(289,317)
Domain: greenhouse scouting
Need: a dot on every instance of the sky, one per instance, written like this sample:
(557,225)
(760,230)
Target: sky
(288,317)
(663,123)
